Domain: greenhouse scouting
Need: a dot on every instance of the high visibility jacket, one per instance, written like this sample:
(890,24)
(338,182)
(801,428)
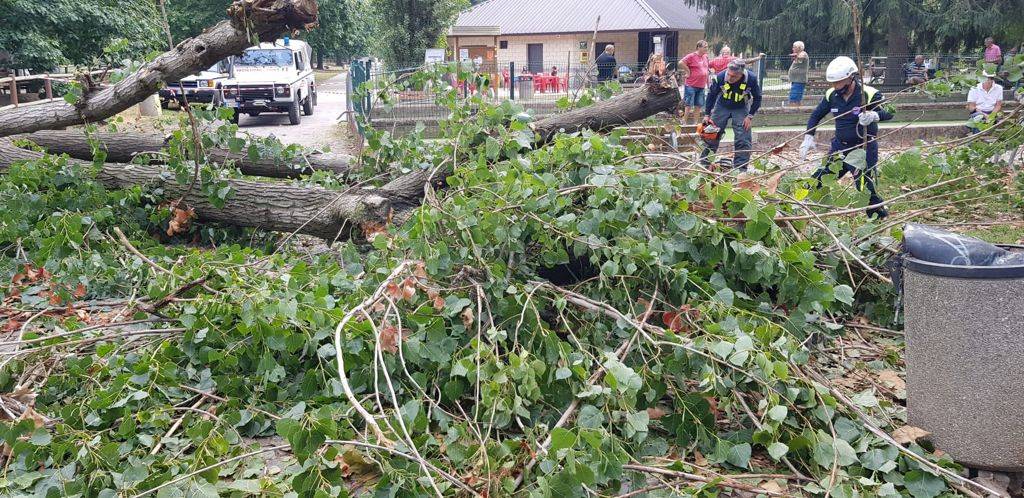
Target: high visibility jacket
(847,112)
(734,95)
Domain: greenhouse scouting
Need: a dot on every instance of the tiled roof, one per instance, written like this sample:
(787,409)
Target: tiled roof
(516,17)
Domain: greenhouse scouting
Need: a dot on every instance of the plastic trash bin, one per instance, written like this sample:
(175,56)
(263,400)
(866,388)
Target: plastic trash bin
(524,87)
(965,359)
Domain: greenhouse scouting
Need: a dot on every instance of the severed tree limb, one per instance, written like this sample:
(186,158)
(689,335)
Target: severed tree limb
(123,147)
(248,20)
(330,214)
(272,206)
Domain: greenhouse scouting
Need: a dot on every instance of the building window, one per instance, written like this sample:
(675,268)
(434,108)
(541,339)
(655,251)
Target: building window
(503,44)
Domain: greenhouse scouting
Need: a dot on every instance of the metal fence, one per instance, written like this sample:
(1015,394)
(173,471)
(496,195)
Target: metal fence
(539,85)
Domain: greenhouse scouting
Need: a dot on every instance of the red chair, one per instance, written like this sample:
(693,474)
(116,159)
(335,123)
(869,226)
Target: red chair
(538,83)
(506,78)
(565,83)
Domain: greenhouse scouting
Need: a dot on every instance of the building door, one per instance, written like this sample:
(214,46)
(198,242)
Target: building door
(535,57)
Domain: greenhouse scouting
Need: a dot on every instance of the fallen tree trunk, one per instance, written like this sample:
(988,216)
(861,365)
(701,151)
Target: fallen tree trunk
(659,94)
(332,214)
(123,147)
(263,19)
(271,206)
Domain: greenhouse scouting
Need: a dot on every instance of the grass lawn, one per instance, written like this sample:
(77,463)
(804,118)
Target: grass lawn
(322,76)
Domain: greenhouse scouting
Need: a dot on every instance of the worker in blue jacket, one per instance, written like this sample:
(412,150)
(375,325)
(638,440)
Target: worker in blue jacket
(857,109)
(735,96)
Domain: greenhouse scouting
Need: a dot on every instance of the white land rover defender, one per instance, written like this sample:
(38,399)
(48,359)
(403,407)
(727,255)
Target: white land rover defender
(199,88)
(272,77)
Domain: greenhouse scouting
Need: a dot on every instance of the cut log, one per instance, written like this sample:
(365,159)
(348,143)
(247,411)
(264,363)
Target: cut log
(249,19)
(274,206)
(123,147)
(331,214)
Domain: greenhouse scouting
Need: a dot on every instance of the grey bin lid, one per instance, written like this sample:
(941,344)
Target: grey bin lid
(972,272)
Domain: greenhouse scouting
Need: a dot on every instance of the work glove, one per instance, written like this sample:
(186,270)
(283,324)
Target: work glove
(868,117)
(709,125)
(807,146)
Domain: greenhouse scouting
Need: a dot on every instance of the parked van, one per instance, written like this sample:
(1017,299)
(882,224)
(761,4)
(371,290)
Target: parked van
(272,77)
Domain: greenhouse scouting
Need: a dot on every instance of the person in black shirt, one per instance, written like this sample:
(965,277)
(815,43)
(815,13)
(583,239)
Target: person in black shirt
(606,64)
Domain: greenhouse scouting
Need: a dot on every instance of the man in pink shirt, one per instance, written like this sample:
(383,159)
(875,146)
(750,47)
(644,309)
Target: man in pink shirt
(993,54)
(695,69)
(718,64)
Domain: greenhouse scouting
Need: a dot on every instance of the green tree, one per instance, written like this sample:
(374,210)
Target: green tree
(188,18)
(896,27)
(337,30)
(404,29)
(40,35)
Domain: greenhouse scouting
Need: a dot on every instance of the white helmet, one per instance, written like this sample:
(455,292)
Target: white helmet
(840,68)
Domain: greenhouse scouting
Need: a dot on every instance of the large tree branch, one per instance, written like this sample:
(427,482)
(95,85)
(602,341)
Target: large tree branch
(122,147)
(249,20)
(329,214)
(268,205)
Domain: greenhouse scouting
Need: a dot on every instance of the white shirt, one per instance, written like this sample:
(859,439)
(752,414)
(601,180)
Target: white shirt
(985,101)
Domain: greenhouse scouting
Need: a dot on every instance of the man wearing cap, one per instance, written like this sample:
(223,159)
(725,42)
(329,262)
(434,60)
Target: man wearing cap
(735,95)
(984,99)
(857,109)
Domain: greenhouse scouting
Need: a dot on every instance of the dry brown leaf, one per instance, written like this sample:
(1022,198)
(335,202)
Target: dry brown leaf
(698,458)
(467,317)
(656,412)
(892,380)
(79,292)
(909,434)
(372,229)
(420,271)
(389,339)
(180,221)
(394,291)
(438,303)
(773,486)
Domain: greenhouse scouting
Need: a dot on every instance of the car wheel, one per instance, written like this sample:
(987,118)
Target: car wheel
(314,99)
(307,106)
(293,113)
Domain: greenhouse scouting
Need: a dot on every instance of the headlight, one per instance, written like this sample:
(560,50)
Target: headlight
(211,84)
(283,90)
(201,83)
(229,93)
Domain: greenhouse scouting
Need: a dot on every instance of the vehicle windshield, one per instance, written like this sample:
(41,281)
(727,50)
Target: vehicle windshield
(216,68)
(265,57)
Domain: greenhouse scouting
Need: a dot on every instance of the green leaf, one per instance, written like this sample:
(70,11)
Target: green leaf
(857,158)
(778,450)
(921,484)
(739,455)
(636,425)
(40,437)
(844,294)
(561,439)
(778,413)
(725,296)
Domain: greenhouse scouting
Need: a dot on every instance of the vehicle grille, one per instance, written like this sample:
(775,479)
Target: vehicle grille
(266,93)
(184,84)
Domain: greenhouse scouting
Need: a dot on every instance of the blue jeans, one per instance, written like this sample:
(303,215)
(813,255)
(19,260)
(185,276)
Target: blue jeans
(693,96)
(796,92)
(721,115)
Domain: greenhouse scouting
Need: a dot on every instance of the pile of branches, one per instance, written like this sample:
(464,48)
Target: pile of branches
(519,308)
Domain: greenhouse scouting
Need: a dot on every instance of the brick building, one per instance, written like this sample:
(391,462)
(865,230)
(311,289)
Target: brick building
(546,33)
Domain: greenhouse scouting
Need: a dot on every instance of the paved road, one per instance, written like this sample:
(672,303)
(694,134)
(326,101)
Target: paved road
(316,130)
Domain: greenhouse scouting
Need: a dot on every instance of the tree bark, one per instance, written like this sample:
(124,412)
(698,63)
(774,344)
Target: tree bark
(271,206)
(122,147)
(262,19)
(332,214)
(897,52)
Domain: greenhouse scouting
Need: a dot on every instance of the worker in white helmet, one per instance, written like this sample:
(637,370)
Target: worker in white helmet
(857,109)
